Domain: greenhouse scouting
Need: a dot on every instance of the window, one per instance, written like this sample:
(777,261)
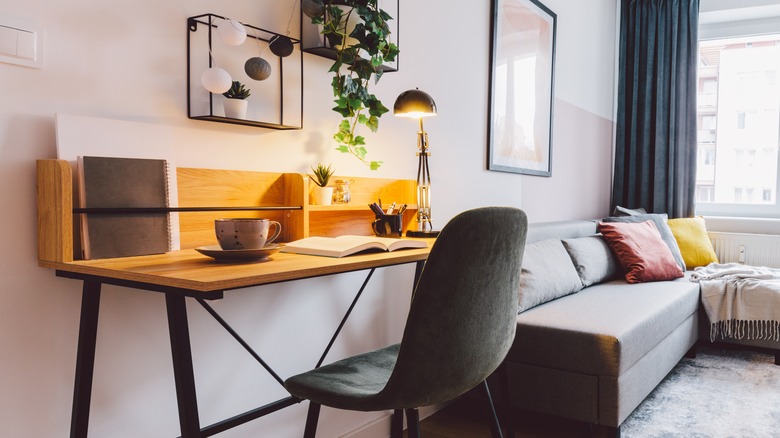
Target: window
(745,157)
(708,157)
(705,193)
(743,195)
(739,126)
(708,122)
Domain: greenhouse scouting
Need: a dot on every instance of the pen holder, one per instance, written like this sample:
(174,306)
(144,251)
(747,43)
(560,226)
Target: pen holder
(388,225)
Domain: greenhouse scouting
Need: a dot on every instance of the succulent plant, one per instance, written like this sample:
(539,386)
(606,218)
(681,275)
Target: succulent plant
(237,91)
(322,175)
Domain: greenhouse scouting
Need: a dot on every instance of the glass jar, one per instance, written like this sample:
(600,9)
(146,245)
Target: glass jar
(341,193)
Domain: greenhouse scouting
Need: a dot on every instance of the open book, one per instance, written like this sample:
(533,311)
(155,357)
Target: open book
(342,246)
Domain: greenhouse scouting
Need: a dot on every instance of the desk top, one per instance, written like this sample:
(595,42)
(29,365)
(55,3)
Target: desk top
(189,271)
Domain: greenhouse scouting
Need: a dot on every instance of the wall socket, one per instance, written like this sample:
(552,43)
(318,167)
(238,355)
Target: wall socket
(741,256)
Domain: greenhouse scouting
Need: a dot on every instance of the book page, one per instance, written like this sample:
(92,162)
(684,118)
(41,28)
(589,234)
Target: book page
(342,246)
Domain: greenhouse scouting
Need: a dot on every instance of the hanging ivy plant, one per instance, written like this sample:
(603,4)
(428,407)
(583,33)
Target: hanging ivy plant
(360,54)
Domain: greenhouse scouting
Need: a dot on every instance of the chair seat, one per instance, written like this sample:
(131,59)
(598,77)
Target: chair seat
(354,383)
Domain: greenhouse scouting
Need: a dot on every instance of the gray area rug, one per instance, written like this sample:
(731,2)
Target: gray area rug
(719,394)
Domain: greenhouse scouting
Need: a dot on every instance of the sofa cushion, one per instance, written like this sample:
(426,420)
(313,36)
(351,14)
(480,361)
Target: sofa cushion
(693,240)
(623,211)
(592,259)
(603,329)
(547,274)
(660,222)
(642,253)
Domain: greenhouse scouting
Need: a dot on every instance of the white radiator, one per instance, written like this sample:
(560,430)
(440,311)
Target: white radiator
(750,249)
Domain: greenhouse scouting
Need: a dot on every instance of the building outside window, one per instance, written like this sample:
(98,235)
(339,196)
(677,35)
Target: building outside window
(738,113)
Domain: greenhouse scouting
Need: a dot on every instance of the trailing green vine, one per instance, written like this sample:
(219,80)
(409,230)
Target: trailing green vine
(355,67)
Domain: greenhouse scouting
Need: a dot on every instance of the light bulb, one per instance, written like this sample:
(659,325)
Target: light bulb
(216,80)
(231,32)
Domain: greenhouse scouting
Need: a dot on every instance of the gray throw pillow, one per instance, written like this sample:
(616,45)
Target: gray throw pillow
(623,211)
(660,222)
(593,259)
(547,274)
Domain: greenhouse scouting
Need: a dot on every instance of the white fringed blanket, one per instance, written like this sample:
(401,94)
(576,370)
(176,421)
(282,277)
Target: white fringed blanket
(742,302)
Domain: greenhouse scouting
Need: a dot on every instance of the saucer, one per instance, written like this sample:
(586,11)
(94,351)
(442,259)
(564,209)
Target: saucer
(231,255)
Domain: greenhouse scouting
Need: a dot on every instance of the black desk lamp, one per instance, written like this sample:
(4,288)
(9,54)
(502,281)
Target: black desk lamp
(418,104)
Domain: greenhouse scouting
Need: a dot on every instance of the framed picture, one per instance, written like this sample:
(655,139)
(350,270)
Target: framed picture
(522,70)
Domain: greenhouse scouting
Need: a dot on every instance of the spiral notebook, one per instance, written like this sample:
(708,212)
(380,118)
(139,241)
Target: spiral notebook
(126,183)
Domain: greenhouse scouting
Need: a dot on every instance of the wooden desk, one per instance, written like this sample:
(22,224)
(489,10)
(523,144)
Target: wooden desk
(187,273)
(192,274)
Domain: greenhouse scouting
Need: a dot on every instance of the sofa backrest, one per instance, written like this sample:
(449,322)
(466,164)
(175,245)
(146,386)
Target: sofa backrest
(560,230)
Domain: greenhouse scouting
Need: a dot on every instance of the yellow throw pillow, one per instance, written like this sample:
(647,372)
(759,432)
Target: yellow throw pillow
(695,245)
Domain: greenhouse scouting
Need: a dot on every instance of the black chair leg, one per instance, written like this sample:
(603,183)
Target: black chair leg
(506,401)
(311,420)
(397,424)
(495,427)
(413,423)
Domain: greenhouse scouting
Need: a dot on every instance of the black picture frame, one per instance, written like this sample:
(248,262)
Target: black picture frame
(525,32)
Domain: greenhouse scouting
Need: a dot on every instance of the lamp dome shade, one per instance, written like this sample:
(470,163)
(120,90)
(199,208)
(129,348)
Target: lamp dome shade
(216,80)
(414,103)
(231,32)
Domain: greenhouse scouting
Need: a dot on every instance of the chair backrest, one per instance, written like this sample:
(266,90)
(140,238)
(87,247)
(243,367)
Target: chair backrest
(462,319)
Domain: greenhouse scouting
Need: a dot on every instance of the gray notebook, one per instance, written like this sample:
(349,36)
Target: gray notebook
(123,183)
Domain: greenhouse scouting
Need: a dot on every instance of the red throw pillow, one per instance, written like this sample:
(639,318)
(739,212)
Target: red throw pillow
(641,251)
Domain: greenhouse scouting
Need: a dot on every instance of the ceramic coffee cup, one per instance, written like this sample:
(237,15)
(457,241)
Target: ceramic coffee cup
(245,233)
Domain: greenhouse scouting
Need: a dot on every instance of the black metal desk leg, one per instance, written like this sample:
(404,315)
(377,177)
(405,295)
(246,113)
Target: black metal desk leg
(85,359)
(182,366)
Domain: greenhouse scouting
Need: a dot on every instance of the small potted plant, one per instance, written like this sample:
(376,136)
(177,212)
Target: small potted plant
(235,102)
(321,193)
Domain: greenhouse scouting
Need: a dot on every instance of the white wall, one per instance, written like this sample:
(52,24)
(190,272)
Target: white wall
(126,60)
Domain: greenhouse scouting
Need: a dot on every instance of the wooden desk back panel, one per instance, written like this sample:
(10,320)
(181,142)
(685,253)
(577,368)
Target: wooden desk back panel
(224,188)
(230,188)
(356,217)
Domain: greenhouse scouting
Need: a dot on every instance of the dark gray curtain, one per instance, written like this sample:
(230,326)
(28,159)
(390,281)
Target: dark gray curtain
(655,148)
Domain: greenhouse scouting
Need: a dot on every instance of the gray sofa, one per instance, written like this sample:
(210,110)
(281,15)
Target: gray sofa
(592,351)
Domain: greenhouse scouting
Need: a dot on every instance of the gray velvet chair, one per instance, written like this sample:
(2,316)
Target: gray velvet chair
(460,326)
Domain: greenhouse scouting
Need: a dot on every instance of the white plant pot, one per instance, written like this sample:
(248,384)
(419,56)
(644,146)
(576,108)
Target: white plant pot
(236,108)
(322,195)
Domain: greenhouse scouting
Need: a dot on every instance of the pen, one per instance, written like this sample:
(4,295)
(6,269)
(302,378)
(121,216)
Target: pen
(375,208)
(402,209)
(391,208)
